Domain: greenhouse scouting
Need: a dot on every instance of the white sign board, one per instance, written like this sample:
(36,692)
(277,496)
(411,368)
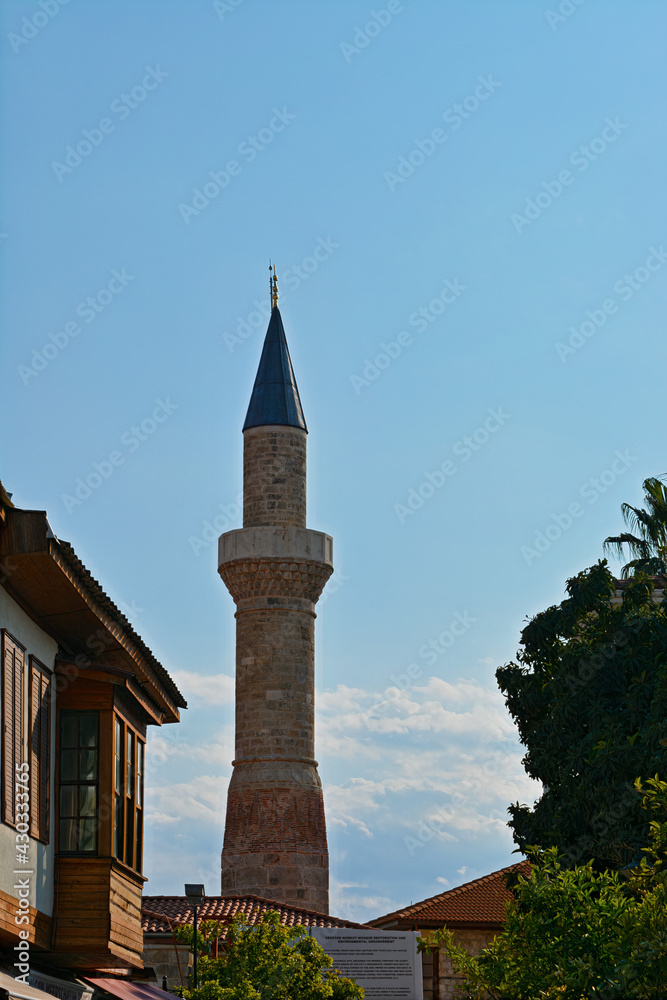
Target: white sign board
(385,963)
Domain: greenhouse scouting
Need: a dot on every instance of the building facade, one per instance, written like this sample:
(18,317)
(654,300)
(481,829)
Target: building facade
(78,690)
(275,568)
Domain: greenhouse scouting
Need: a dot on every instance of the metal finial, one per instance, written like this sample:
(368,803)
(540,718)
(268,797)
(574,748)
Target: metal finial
(273,282)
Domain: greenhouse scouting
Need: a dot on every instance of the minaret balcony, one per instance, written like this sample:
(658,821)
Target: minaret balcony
(269,563)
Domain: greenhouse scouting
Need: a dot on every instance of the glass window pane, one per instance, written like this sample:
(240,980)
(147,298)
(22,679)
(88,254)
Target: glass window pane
(140,831)
(117,775)
(129,833)
(88,765)
(68,801)
(69,730)
(88,835)
(140,772)
(68,835)
(68,765)
(118,827)
(87,800)
(88,723)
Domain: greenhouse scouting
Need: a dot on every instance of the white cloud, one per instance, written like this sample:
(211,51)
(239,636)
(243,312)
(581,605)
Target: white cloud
(204,690)
(415,785)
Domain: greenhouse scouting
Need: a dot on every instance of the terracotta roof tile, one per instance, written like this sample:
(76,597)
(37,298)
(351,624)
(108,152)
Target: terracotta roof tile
(481,901)
(159,913)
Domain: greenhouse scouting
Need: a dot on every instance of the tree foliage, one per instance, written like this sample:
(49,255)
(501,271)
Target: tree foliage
(647,538)
(267,961)
(589,697)
(574,932)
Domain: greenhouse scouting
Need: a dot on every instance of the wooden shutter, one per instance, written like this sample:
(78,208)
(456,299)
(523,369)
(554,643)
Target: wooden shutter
(40,749)
(13,660)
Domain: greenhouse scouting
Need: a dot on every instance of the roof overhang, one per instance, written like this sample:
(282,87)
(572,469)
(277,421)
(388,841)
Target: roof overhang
(53,587)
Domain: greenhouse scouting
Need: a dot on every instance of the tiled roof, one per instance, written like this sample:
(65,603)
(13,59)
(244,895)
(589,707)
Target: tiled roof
(481,901)
(160,913)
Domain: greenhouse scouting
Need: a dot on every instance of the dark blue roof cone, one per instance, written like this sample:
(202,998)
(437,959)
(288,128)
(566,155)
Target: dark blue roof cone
(275,397)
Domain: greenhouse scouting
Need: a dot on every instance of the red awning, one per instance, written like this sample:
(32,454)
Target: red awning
(126,990)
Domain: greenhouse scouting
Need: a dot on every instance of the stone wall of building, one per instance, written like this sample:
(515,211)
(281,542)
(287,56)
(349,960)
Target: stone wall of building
(166,958)
(474,941)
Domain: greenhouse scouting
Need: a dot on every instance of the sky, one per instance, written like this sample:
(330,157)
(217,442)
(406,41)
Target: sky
(465,205)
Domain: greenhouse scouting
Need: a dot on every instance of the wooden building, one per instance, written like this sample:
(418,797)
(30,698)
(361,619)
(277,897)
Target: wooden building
(78,689)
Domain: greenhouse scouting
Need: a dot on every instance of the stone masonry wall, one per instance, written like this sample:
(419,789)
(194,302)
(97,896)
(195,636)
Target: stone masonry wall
(274,477)
(275,684)
(275,569)
(473,941)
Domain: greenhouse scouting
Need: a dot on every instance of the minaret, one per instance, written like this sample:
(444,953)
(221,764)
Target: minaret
(275,569)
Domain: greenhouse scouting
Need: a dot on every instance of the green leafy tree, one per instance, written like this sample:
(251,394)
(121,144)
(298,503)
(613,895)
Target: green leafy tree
(267,961)
(647,538)
(572,933)
(589,696)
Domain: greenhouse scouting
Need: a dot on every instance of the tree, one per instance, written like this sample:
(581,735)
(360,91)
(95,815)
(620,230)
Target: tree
(589,697)
(267,961)
(648,544)
(574,933)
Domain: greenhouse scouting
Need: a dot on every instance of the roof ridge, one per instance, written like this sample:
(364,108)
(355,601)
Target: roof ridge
(454,891)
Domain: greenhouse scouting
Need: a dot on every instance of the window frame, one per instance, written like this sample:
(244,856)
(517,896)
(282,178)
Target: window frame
(128,797)
(78,783)
(39,747)
(12,747)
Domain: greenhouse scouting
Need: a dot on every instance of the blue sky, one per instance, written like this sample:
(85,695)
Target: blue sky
(465,203)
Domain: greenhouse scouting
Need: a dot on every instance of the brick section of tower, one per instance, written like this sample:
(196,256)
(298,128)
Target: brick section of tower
(275,569)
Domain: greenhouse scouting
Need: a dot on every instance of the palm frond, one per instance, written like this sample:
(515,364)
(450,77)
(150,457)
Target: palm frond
(647,539)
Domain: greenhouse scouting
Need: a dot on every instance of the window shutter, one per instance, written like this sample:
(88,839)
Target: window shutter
(12,722)
(40,746)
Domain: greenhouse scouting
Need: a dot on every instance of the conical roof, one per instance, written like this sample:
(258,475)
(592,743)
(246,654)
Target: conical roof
(275,396)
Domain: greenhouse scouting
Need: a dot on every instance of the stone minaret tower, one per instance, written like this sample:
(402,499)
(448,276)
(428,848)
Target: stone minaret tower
(275,569)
